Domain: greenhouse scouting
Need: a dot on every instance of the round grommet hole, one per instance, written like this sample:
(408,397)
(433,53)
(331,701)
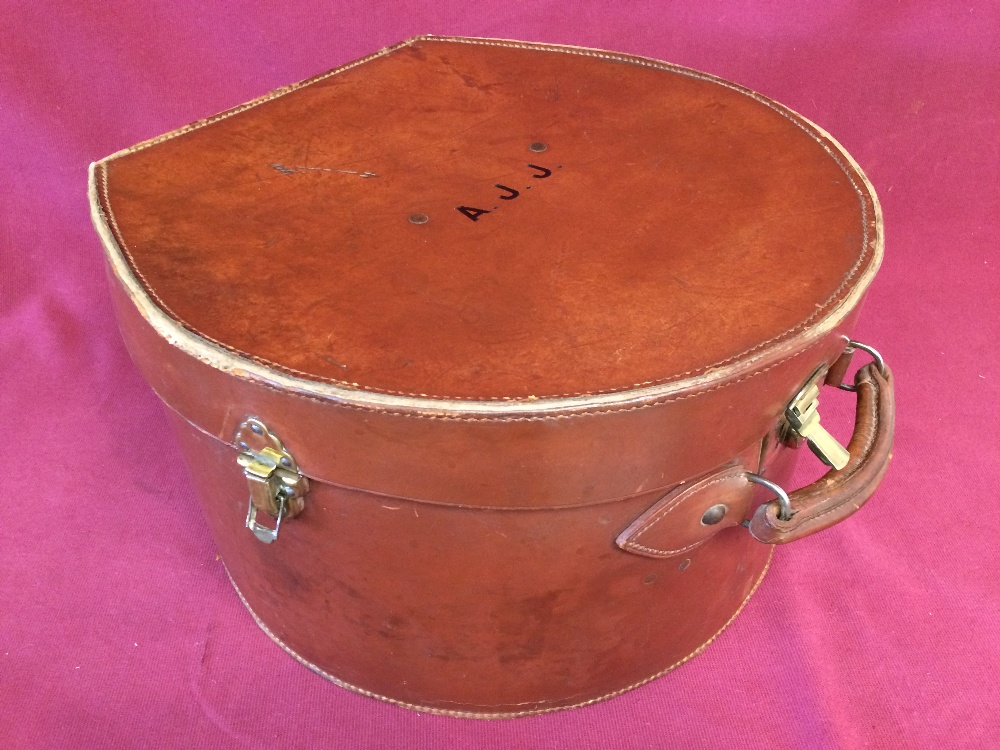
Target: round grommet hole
(538,147)
(685,564)
(714,514)
(419,218)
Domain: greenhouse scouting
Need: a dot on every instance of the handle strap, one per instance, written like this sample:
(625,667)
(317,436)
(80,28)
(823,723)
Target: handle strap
(841,492)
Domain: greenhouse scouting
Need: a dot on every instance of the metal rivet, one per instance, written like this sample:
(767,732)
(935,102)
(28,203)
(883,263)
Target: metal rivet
(714,514)
(651,578)
(257,429)
(684,565)
(538,147)
(243,445)
(419,218)
(285,461)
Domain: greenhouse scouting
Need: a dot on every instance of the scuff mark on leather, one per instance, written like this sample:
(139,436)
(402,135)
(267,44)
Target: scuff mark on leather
(333,361)
(295,170)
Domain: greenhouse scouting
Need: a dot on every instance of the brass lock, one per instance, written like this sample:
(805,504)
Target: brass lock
(276,486)
(802,422)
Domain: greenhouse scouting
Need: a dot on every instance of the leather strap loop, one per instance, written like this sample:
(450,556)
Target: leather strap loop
(840,493)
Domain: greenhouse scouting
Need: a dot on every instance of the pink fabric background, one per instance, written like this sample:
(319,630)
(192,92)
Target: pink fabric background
(118,627)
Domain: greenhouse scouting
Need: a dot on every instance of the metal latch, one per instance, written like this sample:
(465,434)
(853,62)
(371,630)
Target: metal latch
(802,418)
(276,486)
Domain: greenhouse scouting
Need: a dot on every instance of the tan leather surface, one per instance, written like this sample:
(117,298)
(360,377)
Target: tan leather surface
(562,459)
(686,222)
(478,611)
(675,525)
(840,494)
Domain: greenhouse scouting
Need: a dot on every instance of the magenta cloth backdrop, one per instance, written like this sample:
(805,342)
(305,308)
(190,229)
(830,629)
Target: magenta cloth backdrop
(118,627)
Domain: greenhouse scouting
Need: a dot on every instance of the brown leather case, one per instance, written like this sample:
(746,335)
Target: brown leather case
(502,338)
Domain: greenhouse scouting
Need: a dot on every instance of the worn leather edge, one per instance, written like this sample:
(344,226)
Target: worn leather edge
(221,358)
(315,477)
(499,714)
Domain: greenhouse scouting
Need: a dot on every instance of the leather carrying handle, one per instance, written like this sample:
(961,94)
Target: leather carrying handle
(840,493)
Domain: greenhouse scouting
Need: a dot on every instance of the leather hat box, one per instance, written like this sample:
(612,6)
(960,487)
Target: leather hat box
(490,359)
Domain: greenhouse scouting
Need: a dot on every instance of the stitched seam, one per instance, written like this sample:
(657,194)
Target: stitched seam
(262,100)
(669,552)
(475,715)
(662,513)
(638,61)
(540,418)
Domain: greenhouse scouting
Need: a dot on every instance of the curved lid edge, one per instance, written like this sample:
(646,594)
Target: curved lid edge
(225,360)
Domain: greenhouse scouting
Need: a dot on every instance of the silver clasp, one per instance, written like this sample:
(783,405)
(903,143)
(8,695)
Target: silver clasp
(276,486)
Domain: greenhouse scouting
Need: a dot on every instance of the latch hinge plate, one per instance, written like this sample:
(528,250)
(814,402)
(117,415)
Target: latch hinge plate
(801,422)
(276,486)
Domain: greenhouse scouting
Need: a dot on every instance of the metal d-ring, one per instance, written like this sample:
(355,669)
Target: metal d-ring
(785,510)
(879,362)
